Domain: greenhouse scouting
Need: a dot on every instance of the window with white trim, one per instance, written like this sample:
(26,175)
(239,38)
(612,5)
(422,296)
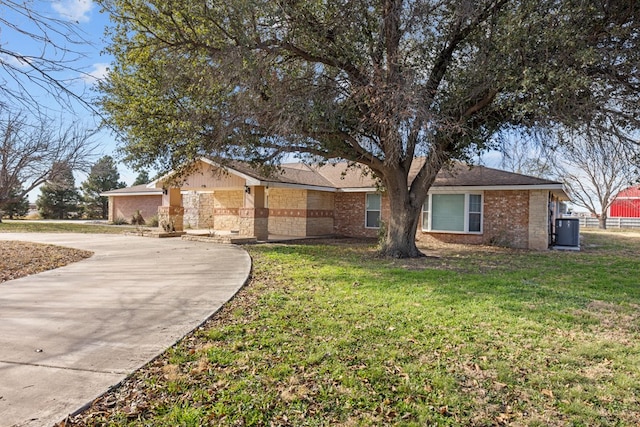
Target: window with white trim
(456,213)
(372,211)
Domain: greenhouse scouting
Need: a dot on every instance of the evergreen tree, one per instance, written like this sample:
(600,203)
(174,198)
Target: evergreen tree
(59,198)
(142,178)
(17,206)
(104,176)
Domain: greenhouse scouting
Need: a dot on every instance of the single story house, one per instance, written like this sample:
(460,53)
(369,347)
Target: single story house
(626,204)
(466,204)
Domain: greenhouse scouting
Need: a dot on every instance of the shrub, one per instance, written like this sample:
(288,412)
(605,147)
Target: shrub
(120,221)
(153,221)
(137,218)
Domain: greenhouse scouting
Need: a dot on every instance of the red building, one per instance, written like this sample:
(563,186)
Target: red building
(626,204)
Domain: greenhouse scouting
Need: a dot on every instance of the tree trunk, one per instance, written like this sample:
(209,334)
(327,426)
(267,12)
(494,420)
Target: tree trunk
(402,224)
(602,222)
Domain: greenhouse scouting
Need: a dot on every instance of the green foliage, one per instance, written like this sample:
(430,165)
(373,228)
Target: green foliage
(59,198)
(103,177)
(153,221)
(142,178)
(16,206)
(373,82)
(308,80)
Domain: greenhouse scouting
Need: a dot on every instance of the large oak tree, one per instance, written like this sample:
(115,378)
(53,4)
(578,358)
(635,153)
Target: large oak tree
(375,82)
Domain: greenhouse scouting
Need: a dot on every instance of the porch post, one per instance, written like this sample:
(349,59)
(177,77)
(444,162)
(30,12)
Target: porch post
(254,217)
(171,213)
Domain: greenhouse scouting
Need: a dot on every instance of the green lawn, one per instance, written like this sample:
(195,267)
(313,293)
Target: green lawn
(18,226)
(328,334)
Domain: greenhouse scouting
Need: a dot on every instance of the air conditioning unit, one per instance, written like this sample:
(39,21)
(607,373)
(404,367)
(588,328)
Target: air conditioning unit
(567,232)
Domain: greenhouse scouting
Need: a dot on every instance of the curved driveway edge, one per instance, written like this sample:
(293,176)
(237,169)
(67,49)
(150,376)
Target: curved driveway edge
(67,335)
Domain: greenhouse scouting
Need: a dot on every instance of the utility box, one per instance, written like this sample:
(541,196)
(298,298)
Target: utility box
(567,232)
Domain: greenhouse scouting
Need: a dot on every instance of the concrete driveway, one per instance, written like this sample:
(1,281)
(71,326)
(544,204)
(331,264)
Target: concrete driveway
(67,335)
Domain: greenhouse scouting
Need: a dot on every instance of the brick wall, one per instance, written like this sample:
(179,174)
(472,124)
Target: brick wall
(455,238)
(126,206)
(506,218)
(350,215)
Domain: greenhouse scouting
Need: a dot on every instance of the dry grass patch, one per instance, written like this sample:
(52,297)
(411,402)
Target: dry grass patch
(19,259)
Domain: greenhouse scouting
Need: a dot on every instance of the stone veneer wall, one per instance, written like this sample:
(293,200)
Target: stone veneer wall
(206,218)
(190,202)
(225,209)
(126,206)
(198,209)
(300,212)
(287,212)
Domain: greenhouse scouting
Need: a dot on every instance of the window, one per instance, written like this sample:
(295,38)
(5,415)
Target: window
(475,213)
(457,213)
(373,204)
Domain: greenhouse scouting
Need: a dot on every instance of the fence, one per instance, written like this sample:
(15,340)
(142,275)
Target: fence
(611,222)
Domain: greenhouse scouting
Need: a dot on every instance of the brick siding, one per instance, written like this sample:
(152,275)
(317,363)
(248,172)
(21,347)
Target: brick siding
(506,218)
(350,215)
(126,206)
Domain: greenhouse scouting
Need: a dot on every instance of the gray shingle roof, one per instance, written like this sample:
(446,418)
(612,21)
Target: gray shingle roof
(459,175)
(134,190)
(340,176)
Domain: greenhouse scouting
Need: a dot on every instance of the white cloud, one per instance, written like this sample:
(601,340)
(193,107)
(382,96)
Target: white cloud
(75,10)
(98,72)
(13,62)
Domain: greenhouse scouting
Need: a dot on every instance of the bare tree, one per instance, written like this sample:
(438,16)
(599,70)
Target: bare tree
(596,166)
(49,57)
(525,155)
(31,147)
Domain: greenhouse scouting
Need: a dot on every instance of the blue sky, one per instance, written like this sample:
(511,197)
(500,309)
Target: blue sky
(85,69)
(86,62)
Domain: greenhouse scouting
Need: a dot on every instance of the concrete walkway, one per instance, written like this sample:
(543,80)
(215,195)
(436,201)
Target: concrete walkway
(67,335)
